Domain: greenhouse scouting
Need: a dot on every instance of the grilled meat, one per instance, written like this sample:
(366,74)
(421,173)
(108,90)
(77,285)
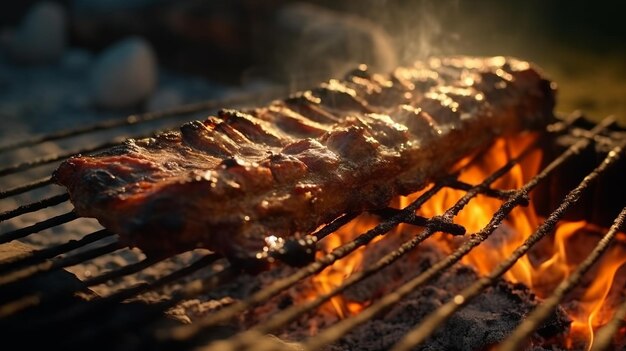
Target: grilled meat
(236,181)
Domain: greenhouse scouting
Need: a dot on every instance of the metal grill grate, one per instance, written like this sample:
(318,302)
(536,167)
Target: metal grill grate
(57,321)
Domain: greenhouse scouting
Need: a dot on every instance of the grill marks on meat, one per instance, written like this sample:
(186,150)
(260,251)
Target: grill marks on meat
(231,181)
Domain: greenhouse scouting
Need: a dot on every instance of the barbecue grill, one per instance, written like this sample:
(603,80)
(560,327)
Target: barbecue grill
(36,313)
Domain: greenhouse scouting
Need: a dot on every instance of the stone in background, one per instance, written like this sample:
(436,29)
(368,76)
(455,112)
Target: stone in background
(41,35)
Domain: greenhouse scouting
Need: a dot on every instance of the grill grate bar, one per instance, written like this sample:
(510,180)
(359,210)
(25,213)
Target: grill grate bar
(333,226)
(495,193)
(141,288)
(37,227)
(43,254)
(189,290)
(47,266)
(25,187)
(442,225)
(124,122)
(189,331)
(145,117)
(72,316)
(53,158)
(198,286)
(435,319)
(108,303)
(57,296)
(251,337)
(155,311)
(65,324)
(35,206)
(123,271)
(341,328)
(604,336)
(515,341)
(565,122)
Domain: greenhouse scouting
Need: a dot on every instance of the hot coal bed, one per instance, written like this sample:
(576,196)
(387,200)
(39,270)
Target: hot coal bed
(411,288)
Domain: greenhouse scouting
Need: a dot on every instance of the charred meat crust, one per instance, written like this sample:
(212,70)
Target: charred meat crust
(231,181)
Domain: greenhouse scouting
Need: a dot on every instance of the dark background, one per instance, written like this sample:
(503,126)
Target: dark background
(580,44)
(588,25)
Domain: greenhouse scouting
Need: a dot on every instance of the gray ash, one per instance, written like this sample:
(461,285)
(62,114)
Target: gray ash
(486,320)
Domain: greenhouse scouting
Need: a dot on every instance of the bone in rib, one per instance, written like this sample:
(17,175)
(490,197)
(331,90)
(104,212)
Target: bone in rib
(232,181)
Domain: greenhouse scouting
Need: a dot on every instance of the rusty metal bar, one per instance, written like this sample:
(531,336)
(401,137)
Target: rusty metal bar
(442,225)
(565,122)
(147,117)
(72,317)
(333,226)
(47,266)
(604,336)
(495,193)
(141,288)
(37,227)
(199,286)
(123,271)
(341,328)
(104,305)
(35,206)
(57,296)
(25,187)
(46,253)
(435,319)
(54,157)
(13,298)
(67,325)
(130,322)
(515,341)
(190,290)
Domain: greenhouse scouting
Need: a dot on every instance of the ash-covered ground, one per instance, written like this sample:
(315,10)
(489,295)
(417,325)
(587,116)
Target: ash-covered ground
(483,322)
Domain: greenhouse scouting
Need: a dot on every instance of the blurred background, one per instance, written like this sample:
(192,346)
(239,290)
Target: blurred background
(84,60)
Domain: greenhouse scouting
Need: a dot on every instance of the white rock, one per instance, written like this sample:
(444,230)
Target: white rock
(41,35)
(164,99)
(125,74)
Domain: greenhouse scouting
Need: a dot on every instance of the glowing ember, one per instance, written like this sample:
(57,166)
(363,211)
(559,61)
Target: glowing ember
(542,269)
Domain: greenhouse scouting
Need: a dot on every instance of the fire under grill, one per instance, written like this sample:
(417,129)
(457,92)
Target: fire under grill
(42,305)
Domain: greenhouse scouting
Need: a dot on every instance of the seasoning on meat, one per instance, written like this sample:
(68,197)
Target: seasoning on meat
(236,182)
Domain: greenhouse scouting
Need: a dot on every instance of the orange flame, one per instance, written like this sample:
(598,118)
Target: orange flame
(595,309)
(333,276)
(555,258)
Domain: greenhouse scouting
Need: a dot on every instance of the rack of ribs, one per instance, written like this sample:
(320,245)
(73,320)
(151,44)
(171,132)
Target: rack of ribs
(232,181)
